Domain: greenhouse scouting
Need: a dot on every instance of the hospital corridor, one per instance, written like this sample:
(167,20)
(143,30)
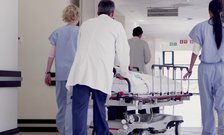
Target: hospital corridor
(117,67)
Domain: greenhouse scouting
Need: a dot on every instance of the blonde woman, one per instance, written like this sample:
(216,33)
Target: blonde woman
(64,42)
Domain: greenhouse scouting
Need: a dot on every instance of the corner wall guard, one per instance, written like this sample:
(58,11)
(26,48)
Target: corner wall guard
(10,132)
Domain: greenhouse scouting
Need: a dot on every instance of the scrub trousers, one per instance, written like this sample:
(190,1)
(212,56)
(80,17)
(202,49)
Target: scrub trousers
(80,102)
(211,87)
(64,114)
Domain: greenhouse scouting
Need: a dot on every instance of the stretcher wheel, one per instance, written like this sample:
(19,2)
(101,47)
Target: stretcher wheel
(177,128)
(144,132)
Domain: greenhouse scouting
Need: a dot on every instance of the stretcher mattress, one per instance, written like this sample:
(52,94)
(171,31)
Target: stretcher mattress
(142,84)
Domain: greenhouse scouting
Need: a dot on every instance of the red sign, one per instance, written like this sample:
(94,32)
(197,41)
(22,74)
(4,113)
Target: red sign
(183,41)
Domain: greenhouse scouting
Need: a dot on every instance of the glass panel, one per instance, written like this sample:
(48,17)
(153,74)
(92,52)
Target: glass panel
(168,57)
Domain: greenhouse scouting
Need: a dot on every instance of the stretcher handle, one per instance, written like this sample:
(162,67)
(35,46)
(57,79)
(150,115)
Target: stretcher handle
(129,84)
(122,78)
(134,68)
(126,79)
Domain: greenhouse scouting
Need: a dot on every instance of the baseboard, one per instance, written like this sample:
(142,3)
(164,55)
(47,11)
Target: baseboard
(37,125)
(37,129)
(10,132)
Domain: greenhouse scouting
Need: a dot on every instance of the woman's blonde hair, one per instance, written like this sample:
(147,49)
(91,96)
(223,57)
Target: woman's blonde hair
(71,13)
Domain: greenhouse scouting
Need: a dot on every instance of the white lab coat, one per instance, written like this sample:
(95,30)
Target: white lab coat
(98,40)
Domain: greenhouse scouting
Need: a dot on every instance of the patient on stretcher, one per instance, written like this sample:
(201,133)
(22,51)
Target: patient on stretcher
(143,84)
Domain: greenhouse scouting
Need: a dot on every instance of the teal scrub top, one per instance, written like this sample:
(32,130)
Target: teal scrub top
(203,34)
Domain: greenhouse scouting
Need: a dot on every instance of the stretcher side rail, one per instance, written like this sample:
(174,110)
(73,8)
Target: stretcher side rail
(155,98)
(174,72)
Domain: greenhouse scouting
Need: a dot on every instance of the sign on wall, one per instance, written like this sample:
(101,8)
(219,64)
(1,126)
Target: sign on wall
(186,41)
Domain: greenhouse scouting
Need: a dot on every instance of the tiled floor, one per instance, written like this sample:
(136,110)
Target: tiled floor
(184,131)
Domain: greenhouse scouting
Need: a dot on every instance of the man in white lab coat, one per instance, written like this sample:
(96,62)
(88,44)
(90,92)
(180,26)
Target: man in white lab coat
(92,70)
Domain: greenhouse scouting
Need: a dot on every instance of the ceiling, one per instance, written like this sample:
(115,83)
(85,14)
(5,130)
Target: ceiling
(190,13)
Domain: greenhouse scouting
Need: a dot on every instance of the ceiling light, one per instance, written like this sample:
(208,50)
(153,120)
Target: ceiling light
(162,11)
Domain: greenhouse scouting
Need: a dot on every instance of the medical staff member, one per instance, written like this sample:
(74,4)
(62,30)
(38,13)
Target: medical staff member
(140,54)
(208,37)
(92,71)
(63,49)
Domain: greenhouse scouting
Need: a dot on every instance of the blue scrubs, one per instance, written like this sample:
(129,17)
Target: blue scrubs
(65,41)
(80,110)
(64,103)
(210,78)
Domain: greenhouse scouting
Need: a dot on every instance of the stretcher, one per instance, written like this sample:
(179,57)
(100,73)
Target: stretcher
(130,102)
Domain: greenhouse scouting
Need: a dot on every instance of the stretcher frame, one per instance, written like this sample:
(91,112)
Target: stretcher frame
(149,122)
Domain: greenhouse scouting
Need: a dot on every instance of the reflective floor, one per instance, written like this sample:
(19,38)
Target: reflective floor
(184,131)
